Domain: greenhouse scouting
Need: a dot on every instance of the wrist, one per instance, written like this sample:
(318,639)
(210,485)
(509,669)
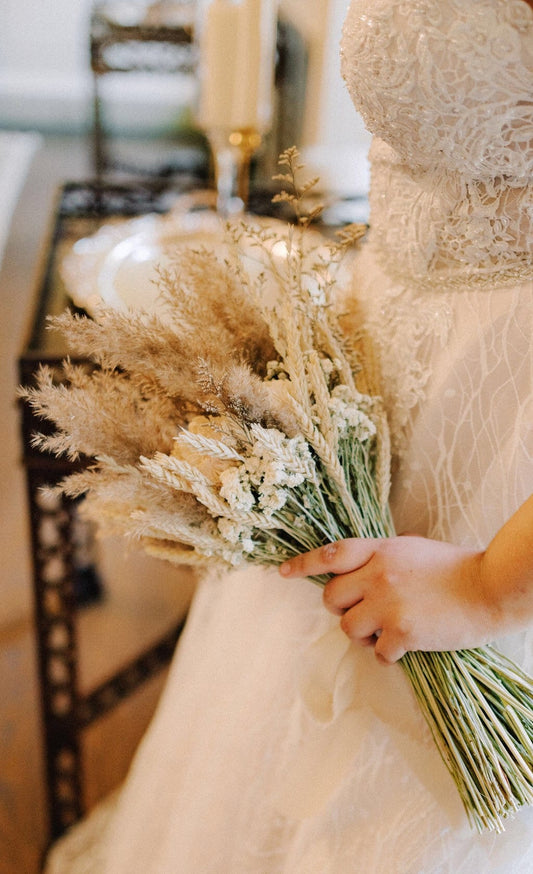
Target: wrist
(490,594)
(507,595)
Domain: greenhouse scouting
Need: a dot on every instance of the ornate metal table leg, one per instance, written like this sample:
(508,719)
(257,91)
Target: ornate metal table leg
(51,524)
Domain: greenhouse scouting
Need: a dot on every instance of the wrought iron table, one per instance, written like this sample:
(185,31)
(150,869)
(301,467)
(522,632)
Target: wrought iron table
(54,522)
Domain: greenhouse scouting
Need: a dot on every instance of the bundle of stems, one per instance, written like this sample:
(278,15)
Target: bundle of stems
(478,705)
(236,425)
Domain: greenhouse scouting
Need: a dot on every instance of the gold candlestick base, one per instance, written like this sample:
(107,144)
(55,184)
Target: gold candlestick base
(232,153)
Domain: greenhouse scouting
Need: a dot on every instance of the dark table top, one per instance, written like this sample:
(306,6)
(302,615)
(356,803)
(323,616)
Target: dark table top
(83,207)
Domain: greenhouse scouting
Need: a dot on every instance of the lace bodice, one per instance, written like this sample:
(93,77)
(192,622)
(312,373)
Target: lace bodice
(446,87)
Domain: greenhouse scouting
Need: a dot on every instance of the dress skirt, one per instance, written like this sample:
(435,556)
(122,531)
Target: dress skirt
(278,747)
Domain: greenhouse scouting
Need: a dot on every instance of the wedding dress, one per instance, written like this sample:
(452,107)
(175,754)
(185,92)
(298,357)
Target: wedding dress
(277,747)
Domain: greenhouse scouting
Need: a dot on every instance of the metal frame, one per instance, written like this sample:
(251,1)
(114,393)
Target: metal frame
(65,711)
(148,46)
(120,48)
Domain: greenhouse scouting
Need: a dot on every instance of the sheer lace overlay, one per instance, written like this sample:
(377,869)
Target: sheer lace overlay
(277,747)
(457,380)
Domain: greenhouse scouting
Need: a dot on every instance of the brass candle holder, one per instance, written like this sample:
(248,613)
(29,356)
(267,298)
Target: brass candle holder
(236,40)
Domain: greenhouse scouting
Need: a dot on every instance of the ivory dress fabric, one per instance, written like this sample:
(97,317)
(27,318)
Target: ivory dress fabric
(278,748)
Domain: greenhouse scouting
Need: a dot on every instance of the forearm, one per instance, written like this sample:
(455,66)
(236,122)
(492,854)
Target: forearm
(507,570)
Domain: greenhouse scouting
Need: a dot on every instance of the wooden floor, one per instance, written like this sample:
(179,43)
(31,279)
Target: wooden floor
(142,597)
(110,632)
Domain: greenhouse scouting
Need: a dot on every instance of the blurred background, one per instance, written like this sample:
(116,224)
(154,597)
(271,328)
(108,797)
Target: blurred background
(90,92)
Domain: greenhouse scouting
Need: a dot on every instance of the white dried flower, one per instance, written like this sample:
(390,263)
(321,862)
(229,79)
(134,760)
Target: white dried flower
(236,488)
(232,557)
(347,415)
(271,499)
(236,533)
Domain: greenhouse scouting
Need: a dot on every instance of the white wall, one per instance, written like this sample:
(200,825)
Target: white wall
(44,78)
(339,144)
(45,81)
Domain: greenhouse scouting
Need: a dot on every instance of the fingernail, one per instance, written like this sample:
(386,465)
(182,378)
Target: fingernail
(285,568)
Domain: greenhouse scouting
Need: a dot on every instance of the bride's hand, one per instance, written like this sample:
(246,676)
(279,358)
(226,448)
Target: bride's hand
(403,593)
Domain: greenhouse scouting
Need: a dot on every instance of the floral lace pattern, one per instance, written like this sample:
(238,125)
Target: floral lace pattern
(447,89)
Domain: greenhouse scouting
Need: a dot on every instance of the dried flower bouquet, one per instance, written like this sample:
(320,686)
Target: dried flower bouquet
(236,425)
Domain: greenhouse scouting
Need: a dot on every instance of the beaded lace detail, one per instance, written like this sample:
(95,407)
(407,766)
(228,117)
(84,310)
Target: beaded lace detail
(447,89)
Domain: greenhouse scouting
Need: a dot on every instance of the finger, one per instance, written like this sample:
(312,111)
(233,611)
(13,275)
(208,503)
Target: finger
(333,558)
(344,591)
(389,648)
(361,624)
